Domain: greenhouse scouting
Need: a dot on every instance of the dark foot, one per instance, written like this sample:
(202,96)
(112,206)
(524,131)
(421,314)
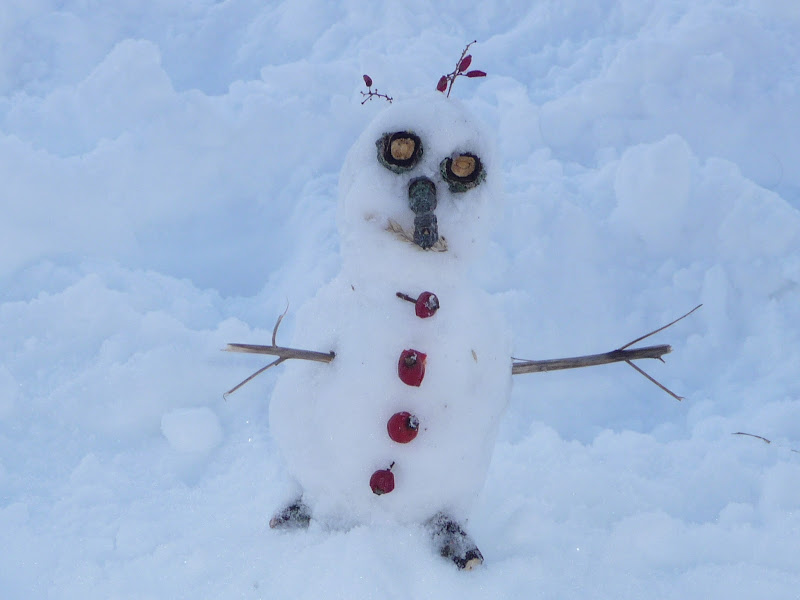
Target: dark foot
(295,516)
(453,542)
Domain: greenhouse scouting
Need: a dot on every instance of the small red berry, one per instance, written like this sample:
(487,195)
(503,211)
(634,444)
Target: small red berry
(426,305)
(402,427)
(476,74)
(442,85)
(382,481)
(411,367)
(368,80)
(465,62)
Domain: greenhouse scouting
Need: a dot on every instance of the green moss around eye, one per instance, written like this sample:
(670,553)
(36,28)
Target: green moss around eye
(462,172)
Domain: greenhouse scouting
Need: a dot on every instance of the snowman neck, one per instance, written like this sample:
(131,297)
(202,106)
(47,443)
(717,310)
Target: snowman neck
(402,263)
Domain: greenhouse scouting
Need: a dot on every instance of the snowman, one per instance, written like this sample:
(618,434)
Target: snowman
(400,426)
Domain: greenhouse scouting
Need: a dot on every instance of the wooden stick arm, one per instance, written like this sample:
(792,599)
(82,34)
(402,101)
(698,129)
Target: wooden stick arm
(518,367)
(284,353)
(557,364)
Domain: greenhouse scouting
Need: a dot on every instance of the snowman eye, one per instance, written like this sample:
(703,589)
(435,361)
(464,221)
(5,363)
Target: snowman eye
(462,172)
(399,152)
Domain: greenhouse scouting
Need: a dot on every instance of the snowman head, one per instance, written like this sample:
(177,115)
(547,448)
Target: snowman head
(419,187)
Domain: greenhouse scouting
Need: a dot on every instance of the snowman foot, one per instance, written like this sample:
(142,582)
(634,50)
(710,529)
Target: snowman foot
(454,543)
(295,516)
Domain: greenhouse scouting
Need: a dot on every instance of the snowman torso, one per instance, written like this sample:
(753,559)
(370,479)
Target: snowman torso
(330,420)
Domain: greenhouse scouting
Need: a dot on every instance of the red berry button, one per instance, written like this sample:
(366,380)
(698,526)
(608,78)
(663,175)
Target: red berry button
(411,367)
(426,305)
(403,427)
(382,481)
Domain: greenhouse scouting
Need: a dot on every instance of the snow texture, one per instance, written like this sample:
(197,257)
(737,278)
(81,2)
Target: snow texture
(169,180)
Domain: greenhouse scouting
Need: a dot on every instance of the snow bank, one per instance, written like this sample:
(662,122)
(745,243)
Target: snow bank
(169,181)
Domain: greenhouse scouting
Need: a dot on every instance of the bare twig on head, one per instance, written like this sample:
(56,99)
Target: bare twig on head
(370,94)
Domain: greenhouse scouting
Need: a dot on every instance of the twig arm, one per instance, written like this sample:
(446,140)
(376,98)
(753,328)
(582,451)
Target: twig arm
(576,362)
(284,353)
(275,350)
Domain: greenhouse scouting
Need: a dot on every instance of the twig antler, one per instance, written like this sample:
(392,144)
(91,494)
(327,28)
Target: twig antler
(518,367)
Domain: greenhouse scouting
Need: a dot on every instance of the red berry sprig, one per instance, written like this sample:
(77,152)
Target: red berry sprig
(446,81)
(369,94)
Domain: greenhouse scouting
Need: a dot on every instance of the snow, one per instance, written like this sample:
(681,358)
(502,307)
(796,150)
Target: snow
(192,429)
(169,181)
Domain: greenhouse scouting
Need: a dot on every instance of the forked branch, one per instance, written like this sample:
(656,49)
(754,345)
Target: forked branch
(275,350)
(621,354)
(556,364)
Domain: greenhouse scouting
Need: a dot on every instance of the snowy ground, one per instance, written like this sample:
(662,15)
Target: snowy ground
(168,180)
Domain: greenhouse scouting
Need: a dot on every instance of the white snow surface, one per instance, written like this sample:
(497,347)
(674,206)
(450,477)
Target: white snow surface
(169,181)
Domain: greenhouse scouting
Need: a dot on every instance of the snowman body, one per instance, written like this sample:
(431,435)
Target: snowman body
(330,420)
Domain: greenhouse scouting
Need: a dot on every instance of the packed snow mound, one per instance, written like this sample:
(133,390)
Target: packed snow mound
(192,430)
(331,419)
(652,186)
(169,174)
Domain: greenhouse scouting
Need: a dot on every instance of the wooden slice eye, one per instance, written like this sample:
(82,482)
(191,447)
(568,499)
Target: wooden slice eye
(399,152)
(402,148)
(462,172)
(463,165)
